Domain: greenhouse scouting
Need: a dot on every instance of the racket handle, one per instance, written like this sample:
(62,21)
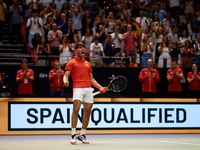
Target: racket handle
(96,93)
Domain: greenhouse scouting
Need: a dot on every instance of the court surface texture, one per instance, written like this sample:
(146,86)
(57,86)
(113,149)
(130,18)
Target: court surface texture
(103,142)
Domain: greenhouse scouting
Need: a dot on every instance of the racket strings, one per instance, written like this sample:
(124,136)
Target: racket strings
(118,84)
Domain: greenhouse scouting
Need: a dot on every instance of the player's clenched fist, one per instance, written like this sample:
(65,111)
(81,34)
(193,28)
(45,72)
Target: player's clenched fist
(66,83)
(103,89)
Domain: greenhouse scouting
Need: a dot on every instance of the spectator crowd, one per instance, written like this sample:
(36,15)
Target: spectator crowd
(115,32)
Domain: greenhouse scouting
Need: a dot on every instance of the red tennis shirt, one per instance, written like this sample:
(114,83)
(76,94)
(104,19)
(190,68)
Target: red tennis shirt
(175,84)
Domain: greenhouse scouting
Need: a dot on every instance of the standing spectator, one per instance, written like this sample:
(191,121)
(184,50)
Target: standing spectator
(129,39)
(117,40)
(110,22)
(167,20)
(48,11)
(56,80)
(66,52)
(43,50)
(25,77)
(48,25)
(189,10)
(119,23)
(109,51)
(148,12)
(143,21)
(54,38)
(195,26)
(174,76)
(164,50)
(110,6)
(158,41)
(100,20)
(36,41)
(77,17)
(194,82)
(87,40)
(197,50)
(15,21)
(184,38)
(173,39)
(186,55)
(44,3)
(65,10)
(63,24)
(3,10)
(135,9)
(71,32)
(149,77)
(93,8)
(87,22)
(34,24)
(73,4)
(34,2)
(96,50)
(101,33)
(174,10)
(76,41)
(160,13)
(147,48)
(59,4)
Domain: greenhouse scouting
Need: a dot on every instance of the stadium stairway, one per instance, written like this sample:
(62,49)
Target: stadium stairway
(12,54)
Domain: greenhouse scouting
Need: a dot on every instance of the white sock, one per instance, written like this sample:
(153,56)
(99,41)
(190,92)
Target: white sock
(82,131)
(73,131)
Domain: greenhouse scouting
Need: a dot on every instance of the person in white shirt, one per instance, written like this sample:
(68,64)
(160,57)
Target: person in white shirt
(96,50)
(143,21)
(87,40)
(34,24)
(77,17)
(117,40)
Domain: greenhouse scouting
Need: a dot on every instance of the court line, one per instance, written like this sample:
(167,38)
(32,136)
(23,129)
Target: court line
(178,142)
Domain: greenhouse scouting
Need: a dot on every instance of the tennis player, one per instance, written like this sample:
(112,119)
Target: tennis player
(81,73)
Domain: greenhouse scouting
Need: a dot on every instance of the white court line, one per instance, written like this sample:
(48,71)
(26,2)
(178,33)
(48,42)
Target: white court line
(178,142)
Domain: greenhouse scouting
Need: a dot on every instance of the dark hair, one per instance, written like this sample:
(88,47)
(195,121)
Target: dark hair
(56,61)
(53,3)
(174,27)
(77,45)
(91,32)
(190,45)
(36,34)
(63,7)
(167,44)
(48,18)
(64,37)
(85,14)
(174,60)
(186,32)
(45,43)
(24,60)
(195,15)
(154,18)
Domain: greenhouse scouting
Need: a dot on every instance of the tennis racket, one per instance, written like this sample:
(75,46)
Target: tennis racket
(117,84)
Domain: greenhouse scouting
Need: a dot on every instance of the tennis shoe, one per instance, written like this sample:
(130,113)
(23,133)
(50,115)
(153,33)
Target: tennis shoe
(83,139)
(74,138)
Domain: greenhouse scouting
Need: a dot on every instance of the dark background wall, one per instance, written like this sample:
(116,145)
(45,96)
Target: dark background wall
(102,75)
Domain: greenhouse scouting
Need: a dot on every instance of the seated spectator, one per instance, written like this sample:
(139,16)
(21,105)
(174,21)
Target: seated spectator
(15,12)
(63,24)
(117,40)
(87,22)
(56,80)
(173,39)
(96,50)
(197,50)
(193,78)
(54,39)
(25,77)
(147,48)
(101,33)
(165,51)
(148,13)
(160,13)
(143,21)
(34,24)
(43,50)
(71,32)
(66,51)
(109,51)
(48,25)
(5,90)
(93,8)
(77,17)
(186,55)
(3,10)
(87,40)
(129,39)
(65,10)
(195,26)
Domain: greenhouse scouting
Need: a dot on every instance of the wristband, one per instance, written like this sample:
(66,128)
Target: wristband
(102,90)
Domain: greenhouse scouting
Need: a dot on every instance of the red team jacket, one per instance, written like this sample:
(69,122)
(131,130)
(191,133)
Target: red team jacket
(25,86)
(195,84)
(149,83)
(56,81)
(175,84)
